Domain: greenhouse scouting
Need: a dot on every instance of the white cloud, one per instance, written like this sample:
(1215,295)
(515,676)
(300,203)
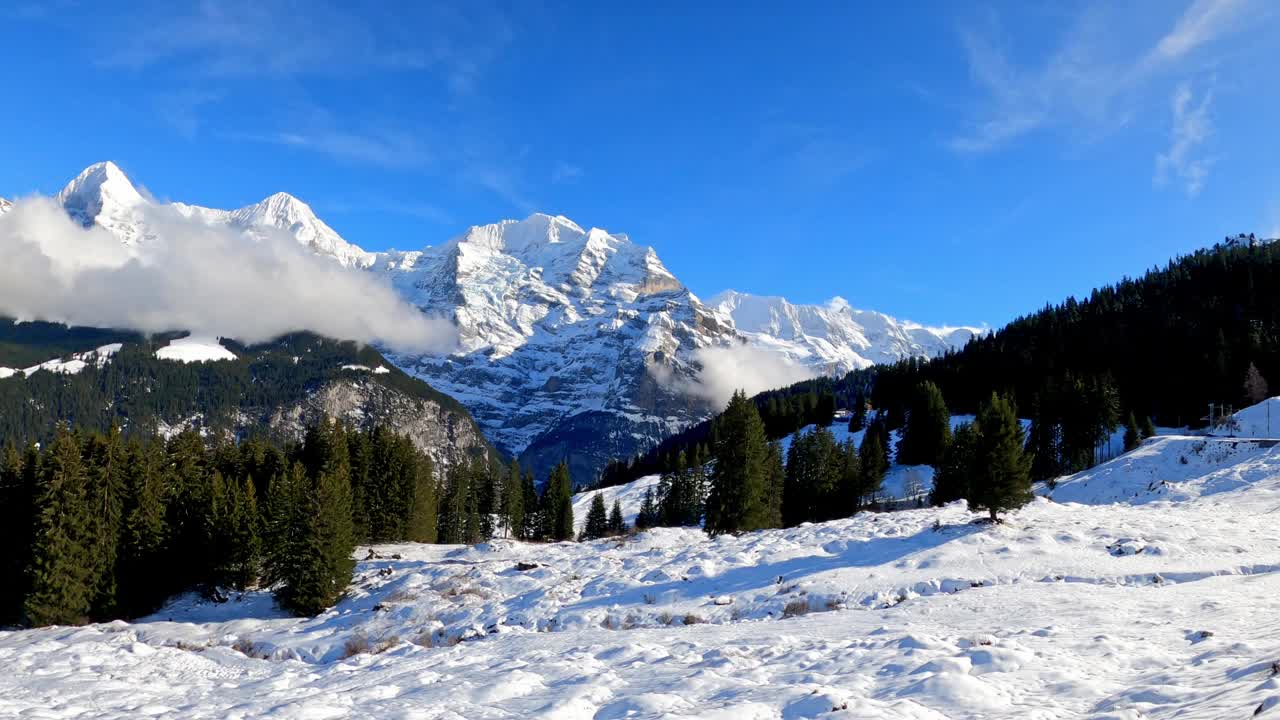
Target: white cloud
(725,370)
(392,150)
(1191,127)
(191,276)
(1089,83)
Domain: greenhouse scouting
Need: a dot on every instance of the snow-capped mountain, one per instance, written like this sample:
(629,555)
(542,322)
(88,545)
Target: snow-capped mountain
(5,206)
(574,344)
(835,338)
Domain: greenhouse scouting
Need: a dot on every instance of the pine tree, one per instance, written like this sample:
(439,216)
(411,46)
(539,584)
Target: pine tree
(104,459)
(617,526)
(285,521)
(849,483)
(513,502)
(1255,386)
(145,531)
(737,499)
(597,524)
(1003,476)
(928,428)
(558,500)
(858,418)
(1132,435)
(453,511)
(648,515)
(775,484)
(17,490)
(532,513)
(953,479)
(873,461)
(319,571)
(1148,428)
(423,517)
(62,568)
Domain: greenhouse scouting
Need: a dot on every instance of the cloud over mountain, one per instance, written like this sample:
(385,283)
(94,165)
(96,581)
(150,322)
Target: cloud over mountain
(191,275)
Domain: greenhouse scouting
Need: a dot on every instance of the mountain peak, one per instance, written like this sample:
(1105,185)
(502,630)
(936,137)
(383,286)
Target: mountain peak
(99,187)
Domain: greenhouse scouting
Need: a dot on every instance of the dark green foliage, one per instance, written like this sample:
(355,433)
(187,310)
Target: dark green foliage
(680,495)
(424,513)
(617,526)
(453,509)
(858,414)
(557,500)
(1132,433)
(597,524)
(648,516)
(105,527)
(1001,480)
(1148,428)
(953,478)
(774,484)
(927,429)
(532,512)
(513,508)
(17,498)
(141,585)
(814,479)
(316,575)
(873,462)
(737,500)
(138,391)
(63,571)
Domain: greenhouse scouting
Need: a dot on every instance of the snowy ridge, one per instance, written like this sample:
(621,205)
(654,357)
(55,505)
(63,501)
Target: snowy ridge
(195,349)
(70,365)
(1146,609)
(835,338)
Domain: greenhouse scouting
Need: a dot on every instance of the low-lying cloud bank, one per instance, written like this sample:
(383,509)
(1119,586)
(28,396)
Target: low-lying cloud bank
(727,369)
(190,276)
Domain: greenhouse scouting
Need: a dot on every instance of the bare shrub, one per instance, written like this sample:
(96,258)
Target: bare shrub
(796,608)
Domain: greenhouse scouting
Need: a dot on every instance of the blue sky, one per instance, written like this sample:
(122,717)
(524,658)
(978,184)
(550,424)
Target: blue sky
(945,162)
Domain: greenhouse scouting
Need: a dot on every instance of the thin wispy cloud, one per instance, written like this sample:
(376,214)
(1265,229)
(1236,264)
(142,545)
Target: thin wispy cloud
(417,209)
(565,172)
(1191,127)
(390,150)
(1082,86)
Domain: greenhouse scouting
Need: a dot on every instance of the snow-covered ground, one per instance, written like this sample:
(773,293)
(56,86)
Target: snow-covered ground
(69,365)
(1106,606)
(195,348)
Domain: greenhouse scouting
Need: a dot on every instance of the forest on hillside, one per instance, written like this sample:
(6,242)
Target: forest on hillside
(1162,346)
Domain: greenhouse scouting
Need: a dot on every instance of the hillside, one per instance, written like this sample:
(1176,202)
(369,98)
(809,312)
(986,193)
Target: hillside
(1149,607)
(169,383)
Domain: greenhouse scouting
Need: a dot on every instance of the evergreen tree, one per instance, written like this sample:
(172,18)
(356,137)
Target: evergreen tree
(850,482)
(17,489)
(1132,434)
(532,514)
(1255,386)
(558,500)
(1003,477)
(873,461)
(648,515)
(1148,428)
(453,511)
(234,538)
(513,502)
(285,521)
(813,479)
(775,485)
(423,517)
(737,499)
(953,479)
(928,428)
(858,418)
(104,459)
(62,573)
(617,526)
(597,524)
(320,571)
(145,532)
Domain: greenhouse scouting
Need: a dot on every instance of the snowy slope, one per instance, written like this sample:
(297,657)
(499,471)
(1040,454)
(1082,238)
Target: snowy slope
(1145,610)
(835,338)
(195,349)
(70,365)
(575,343)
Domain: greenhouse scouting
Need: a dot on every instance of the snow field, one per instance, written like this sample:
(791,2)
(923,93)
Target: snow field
(1159,606)
(195,349)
